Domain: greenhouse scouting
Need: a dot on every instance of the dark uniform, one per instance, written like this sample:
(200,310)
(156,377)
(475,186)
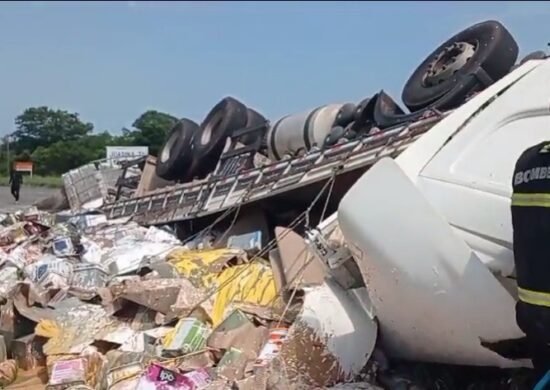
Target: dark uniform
(531,224)
(15,180)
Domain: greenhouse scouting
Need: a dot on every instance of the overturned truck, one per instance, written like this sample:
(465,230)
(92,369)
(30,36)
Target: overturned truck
(414,228)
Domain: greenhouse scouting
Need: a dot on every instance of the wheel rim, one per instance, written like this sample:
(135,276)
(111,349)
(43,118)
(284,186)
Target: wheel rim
(449,61)
(167,150)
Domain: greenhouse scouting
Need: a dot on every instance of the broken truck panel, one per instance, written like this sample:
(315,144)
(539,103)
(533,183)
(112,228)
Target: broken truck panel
(334,256)
(433,297)
(322,346)
(294,256)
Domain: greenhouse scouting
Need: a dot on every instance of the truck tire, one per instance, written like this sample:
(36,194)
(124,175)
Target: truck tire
(486,50)
(387,113)
(361,107)
(176,154)
(535,55)
(226,116)
(345,115)
(364,115)
(350,134)
(253,119)
(323,123)
(332,138)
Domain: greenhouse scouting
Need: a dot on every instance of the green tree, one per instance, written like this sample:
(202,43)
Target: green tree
(63,156)
(43,126)
(151,129)
(57,140)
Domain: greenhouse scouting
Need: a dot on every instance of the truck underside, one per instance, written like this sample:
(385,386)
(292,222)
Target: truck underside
(410,222)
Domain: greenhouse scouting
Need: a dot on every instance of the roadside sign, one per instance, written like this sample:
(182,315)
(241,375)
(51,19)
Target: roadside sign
(126,152)
(23,166)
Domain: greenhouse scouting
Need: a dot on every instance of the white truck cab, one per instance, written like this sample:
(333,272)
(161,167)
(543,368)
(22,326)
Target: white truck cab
(431,230)
(464,165)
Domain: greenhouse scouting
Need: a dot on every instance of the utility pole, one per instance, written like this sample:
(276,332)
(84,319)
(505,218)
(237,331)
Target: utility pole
(8,154)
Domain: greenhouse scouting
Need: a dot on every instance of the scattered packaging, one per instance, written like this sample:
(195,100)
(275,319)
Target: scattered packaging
(27,352)
(8,372)
(88,278)
(123,366)
(3,349)
(63,246)
(84,222)
(238,331)
(232,365)
(92,304)
(67,373)
(161,378)
(8,280)
(277,337)
(250,242)
(189,335)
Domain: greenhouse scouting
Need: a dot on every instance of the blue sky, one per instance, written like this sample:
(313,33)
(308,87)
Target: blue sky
(112,61)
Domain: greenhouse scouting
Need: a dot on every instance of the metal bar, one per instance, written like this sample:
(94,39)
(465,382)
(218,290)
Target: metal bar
(387,143)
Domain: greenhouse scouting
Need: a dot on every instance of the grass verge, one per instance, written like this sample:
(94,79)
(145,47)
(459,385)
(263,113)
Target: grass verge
(36,181)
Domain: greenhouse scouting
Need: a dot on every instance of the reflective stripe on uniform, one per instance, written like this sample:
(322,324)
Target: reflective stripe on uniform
(531,200)
(534,297)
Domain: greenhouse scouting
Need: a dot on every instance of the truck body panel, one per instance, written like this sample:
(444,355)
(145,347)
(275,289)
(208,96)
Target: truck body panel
(435,300)
(431,231)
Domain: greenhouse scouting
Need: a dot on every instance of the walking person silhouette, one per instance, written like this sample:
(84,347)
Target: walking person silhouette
(16,179)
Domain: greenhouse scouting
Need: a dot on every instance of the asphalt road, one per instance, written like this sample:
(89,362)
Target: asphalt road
(28,196)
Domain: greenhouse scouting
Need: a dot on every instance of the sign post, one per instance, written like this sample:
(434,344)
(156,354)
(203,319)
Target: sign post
(8,154)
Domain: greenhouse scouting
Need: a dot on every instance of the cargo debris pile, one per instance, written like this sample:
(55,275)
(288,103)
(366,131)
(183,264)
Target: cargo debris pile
(94,304)
(91,303)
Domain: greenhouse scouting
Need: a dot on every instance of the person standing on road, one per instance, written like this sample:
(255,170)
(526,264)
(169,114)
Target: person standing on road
(16,179)
(531,230)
